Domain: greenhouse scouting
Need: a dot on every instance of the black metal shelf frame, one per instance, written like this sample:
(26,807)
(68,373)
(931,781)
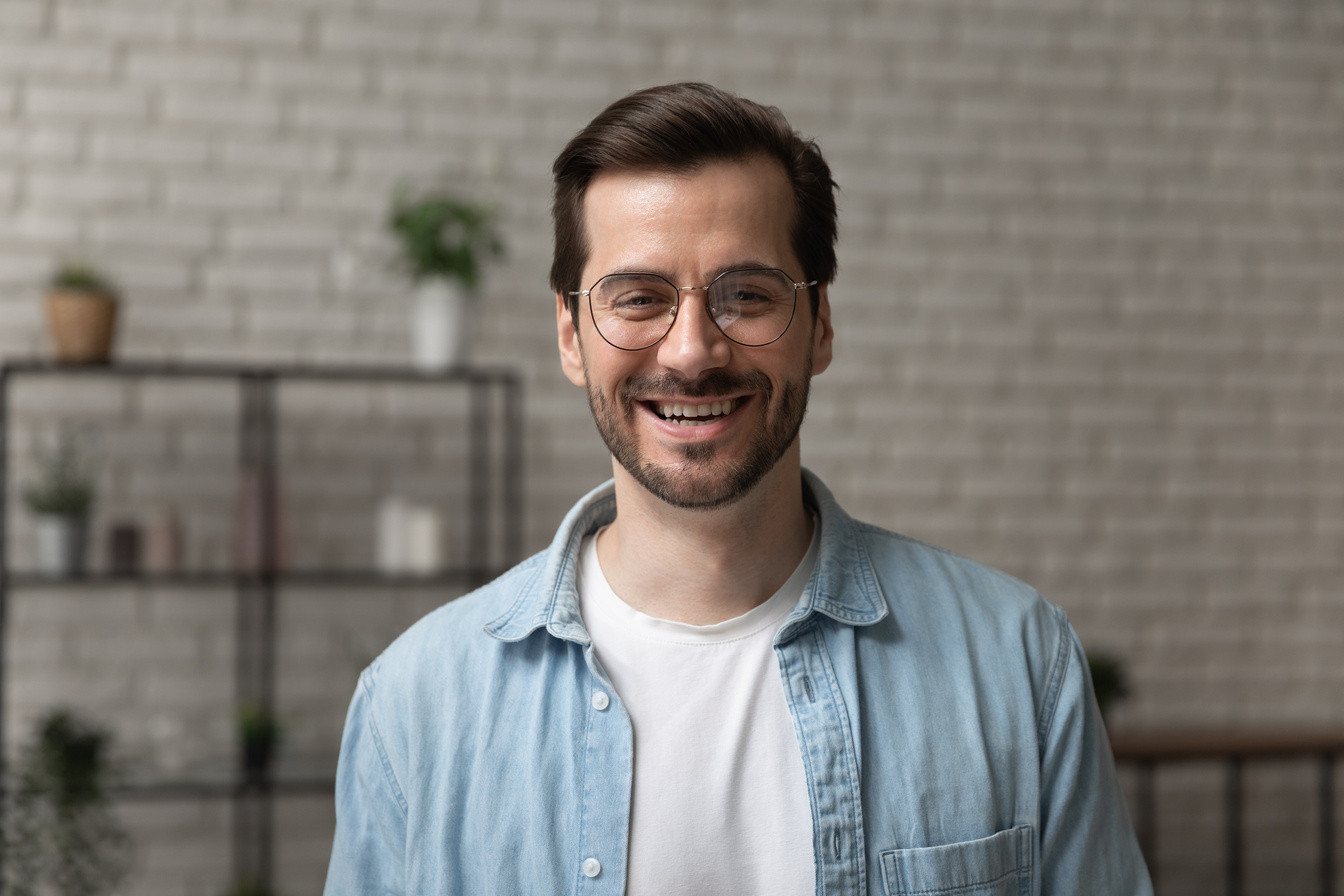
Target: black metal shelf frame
(256,590)
(334,578)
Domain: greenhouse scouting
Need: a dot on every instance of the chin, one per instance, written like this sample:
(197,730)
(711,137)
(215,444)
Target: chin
(701,479)
(697,485)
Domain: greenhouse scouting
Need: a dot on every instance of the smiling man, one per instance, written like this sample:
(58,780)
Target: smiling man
(714,680)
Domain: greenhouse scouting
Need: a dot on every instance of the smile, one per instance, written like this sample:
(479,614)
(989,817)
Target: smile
(694,414)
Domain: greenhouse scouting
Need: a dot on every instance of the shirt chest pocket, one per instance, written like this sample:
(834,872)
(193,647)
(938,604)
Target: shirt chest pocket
(993,866)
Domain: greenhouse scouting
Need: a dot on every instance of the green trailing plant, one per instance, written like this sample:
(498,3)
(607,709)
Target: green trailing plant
(60,836)
(441,235)
(77,276)
(1110,682)
(64,484)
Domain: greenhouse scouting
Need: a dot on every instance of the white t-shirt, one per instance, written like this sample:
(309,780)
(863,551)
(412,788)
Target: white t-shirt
(720,795)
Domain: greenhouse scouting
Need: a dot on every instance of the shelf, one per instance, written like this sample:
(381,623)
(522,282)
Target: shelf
(326,578)
(148,791)
(494,469)
(228,370)
(218,788)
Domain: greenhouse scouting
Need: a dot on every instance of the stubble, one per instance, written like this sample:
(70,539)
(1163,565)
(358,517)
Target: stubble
(704,478)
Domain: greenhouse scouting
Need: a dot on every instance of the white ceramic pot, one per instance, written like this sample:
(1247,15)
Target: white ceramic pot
(439,324)
(60,543)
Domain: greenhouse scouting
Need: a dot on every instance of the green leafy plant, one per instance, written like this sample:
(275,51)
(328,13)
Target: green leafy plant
(59,835)
(440,235)
(260,734)
(1110,682)
(77,276)
(250,888)
(257,725)
(64,485)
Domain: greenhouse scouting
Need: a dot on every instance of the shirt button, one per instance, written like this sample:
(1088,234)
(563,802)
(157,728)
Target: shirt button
(600,702)
(592,867)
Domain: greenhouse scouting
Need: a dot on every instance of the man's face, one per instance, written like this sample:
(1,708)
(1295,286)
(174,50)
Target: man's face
(689,229)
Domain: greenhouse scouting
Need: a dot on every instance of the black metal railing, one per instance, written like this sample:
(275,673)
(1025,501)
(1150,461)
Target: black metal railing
(1233,750)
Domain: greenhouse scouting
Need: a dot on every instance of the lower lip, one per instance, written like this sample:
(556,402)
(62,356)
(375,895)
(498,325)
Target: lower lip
(716,426)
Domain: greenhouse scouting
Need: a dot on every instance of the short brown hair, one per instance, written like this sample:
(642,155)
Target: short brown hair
(679,128)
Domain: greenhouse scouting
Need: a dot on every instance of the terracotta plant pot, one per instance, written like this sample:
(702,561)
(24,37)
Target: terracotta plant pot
(81,325)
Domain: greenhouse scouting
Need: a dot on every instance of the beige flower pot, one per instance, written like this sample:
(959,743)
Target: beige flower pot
(60,541)
(440,323)
(81,325)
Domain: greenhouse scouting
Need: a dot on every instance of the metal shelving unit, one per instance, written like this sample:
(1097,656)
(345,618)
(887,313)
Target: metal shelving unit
(494,393)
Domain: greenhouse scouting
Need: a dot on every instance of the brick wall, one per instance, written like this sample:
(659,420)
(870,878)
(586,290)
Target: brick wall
(1089,326)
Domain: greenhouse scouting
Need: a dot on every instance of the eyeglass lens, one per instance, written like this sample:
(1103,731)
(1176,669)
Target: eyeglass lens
(751,307)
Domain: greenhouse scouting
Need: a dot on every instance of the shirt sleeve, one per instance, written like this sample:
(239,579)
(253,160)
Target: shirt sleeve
(1087,841)
(368,853)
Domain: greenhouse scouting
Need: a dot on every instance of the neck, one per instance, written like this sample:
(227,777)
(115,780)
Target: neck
(706,566)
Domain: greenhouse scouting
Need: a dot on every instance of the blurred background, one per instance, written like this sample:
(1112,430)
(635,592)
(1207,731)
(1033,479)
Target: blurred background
(1088,318)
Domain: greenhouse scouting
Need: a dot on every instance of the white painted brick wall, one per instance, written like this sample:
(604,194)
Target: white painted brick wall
(1088,317)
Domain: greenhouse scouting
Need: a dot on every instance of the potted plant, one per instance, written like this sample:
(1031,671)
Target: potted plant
(260,734)
(81,306)
(59,836)
(60,499)
(443,242)
(250,888)
(1110,682)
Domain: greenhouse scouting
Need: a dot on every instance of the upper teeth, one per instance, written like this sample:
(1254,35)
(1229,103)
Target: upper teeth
(713,409)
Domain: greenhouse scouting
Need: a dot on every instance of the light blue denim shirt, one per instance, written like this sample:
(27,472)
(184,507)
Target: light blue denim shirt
(944,713)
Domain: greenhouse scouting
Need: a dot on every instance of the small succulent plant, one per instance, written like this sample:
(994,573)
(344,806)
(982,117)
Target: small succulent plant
(78,276)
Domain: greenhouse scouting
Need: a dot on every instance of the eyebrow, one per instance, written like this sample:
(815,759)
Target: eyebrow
(743,265)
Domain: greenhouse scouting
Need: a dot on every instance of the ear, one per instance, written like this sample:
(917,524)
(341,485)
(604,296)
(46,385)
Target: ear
(571,352)
(822,334)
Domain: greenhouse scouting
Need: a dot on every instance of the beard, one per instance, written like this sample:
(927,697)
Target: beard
(704,478)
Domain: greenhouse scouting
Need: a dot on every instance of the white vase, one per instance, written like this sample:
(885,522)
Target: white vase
(439,324)
(60,542)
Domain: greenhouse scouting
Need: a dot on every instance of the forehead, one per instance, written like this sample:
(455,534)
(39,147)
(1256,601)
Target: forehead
(722,213)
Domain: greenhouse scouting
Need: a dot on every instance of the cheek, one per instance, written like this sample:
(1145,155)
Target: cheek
(603,373)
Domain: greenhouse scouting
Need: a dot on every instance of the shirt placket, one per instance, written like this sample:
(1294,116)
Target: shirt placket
(822,723)
(608,777)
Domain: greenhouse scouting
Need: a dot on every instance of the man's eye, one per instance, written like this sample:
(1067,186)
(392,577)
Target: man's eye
(634,301)
(748,303)
(639,305)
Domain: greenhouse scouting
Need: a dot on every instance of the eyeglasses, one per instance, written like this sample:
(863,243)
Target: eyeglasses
(751,307)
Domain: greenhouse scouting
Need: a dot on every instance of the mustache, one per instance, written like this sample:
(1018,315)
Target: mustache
(716,382)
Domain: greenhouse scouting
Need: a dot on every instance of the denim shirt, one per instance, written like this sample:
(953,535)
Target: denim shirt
(944,713)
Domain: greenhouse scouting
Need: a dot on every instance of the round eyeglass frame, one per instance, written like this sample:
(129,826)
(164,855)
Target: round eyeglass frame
(587,293)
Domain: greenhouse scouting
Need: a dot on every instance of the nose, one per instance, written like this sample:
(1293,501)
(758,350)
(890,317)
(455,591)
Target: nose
(694,344)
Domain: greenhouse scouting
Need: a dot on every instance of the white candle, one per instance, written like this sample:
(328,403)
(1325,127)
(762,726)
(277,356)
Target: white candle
(392,536)
(422,540)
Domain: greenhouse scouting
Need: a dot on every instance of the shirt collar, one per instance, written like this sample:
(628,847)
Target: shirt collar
(843,585)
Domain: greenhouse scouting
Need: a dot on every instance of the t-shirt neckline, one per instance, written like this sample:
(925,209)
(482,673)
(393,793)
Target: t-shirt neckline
(606,601)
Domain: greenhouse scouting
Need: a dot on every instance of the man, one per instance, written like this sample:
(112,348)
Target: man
(714,681)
